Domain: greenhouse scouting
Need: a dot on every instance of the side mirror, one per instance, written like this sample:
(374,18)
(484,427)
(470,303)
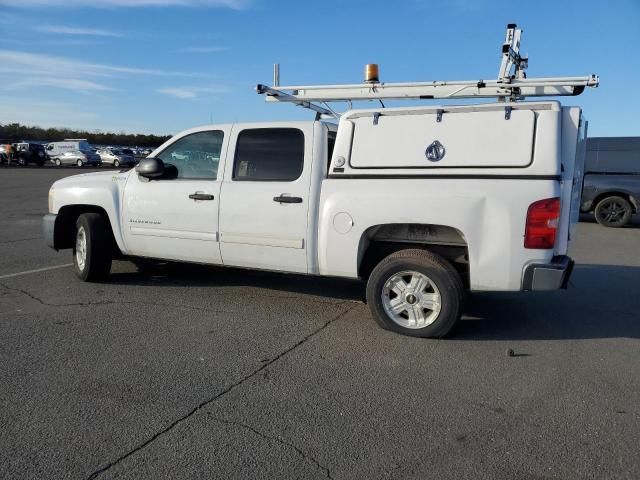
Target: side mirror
(150,168)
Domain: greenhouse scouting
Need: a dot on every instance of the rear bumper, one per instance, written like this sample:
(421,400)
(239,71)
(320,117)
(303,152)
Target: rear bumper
(49,229)
(548,276)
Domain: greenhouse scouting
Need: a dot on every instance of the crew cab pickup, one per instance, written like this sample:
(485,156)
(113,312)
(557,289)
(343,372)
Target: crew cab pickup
(422,203)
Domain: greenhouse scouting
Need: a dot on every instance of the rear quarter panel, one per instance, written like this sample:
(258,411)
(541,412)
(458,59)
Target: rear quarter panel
(489,213)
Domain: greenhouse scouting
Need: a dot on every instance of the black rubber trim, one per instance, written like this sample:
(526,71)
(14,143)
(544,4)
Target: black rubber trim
(578,90)
(448,176)
(567,275)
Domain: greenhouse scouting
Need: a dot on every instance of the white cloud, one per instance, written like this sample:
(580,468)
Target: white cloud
(192,92)
(31,71)
(212,49)
(58,42)
(234,4)
(12,61)
(64,83)
(66,30)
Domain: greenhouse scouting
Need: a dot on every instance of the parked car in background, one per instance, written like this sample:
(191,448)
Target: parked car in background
(611,189)
(116,157)
(76,158)
(56,149)
(29,152)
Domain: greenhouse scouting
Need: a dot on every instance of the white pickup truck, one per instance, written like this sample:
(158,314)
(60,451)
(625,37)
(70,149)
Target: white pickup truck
(422,203)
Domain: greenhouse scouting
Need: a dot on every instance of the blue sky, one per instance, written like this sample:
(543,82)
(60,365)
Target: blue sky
(161,66)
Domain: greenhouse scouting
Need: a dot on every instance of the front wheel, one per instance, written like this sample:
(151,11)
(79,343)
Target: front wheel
(416,293)
(58,162)
(116,163)
(613,212)
(79,163)
(93,248)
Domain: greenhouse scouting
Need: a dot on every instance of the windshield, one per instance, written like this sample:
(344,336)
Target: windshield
(84,146)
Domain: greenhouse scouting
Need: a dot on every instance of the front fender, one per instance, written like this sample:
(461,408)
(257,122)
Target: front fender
(94,192)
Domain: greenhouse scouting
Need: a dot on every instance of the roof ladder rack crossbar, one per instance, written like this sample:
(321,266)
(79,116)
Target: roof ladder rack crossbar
(512,84)
(285,97)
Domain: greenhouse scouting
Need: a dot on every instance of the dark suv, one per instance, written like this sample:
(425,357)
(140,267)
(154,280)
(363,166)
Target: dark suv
(611,187)
(27,152)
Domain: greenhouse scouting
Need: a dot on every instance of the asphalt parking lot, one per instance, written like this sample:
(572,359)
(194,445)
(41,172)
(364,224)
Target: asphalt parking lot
(195,372)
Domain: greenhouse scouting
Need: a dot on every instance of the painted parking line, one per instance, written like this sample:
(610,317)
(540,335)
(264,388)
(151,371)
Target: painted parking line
(37,270)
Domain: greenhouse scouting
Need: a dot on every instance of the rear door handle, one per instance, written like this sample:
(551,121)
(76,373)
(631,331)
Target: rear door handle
(286,199)
(201,196)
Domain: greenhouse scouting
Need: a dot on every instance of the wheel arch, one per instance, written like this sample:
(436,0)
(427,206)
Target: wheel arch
(635,203)
(380,241)
(65,224)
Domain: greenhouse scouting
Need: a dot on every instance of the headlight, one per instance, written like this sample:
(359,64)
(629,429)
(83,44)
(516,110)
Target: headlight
(51,200)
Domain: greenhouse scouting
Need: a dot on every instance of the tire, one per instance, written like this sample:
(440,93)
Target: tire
(614,212)
(79,163)
(92,248)
(58,162)
(435,299)
(116,163)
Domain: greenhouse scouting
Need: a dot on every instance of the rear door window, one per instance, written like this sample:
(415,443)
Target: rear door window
(269,154)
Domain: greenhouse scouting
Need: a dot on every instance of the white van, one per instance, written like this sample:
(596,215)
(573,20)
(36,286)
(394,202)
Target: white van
(79,147)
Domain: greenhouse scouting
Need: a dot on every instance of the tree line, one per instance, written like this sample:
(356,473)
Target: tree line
(15,132)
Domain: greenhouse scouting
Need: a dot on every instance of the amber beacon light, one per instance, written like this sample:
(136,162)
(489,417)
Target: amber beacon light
(371,74)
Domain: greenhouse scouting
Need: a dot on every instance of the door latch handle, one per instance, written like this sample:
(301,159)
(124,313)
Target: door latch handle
(201,196)
(287,199)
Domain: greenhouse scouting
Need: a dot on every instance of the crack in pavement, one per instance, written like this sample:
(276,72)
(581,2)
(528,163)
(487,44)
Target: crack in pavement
(275,439)
(20,240)
(111,302)
(211,400)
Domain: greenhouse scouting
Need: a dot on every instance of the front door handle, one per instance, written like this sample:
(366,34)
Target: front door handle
(201,196)
(286,199)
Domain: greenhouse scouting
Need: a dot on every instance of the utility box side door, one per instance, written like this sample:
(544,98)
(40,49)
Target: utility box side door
(484,139)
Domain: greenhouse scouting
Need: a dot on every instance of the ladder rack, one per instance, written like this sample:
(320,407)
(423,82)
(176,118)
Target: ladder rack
(511,84)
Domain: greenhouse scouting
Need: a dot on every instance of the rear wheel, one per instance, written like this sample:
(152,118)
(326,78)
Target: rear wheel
(93,247)
(613,212)
(116,163)
(415,292)
(79,163)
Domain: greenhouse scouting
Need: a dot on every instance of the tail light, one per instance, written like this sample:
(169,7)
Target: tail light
(542,224)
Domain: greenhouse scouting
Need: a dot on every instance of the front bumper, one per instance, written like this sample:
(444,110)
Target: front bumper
(548,276)
(49,229)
